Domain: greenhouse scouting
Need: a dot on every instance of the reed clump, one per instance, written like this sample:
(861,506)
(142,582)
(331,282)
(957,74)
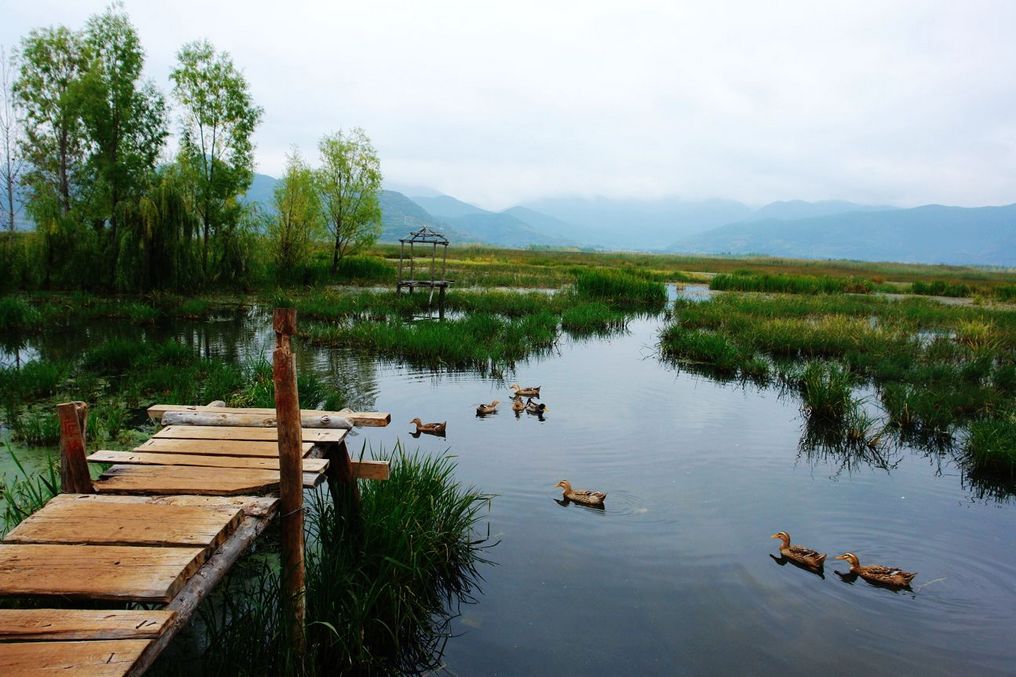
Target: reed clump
(789,284)
(592,318)
(381,590)
(621,289)
(991,445)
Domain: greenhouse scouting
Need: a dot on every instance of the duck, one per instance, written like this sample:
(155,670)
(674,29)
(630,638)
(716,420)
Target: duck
(583,496)
(484,409)
(875,573)
(812,559)
(525,392)
(432,428)
(536,408)
(517,404)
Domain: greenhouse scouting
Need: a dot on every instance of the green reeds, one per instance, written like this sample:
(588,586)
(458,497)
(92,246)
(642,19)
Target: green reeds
(16,314)
(826,391)
(702,347)
(586,319)
(991,446)
(26,493)
(940,288)
(369,269)
(380,589)
(621,289)
(789,284)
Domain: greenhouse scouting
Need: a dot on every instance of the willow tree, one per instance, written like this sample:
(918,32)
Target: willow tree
(298,219)
(218,121)
(125,121)
(350,181)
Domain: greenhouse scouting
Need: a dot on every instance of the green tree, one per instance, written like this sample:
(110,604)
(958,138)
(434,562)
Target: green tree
(298,220)
(47,91)
(219,118)
(350,182)
(125,120)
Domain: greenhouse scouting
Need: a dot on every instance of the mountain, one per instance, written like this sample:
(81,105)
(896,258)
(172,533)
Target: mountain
(446,207)
(400,216)
(504,230)
(261,191)
(799,209)
(928,234)
(637,224)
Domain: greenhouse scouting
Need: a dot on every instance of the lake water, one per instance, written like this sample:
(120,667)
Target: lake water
(676,576)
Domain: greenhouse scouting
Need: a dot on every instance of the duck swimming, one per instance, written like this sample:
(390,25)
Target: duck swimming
(583,496)
(875,573)
(484,409)
(813,559)
(430,428)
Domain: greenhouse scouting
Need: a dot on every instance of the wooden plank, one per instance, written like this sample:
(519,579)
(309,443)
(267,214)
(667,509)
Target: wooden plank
(249,420)
(204,581)
(216,447)
(369,470)
(104,523)
(107,658)
(144,458)
(180,479)
(256,506)
(202,432)
(107,572)
(80,624)
(359,418)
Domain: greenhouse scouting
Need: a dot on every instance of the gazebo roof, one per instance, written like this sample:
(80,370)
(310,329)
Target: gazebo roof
(426,235)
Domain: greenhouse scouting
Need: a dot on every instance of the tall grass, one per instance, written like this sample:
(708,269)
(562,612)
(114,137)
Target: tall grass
(991,445)
(789,284)
(940,288)
(380,590)
(586,319)
(25,493)
(621,289)
(826,392)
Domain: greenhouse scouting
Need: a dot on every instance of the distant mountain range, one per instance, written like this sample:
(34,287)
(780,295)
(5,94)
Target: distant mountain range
(826,229)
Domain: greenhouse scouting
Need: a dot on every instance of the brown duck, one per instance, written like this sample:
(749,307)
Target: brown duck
(875,573)
(524,392)
(581,495)
(432,428)
(484,409)
(813,559)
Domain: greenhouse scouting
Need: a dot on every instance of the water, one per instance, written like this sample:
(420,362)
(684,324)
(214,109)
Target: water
(675,576)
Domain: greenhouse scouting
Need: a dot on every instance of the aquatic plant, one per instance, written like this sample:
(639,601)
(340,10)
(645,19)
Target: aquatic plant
(788,284)
(25,493)
(621,289)
(826,391)
(17,314)
(991,446)
(381,587)
(591,318)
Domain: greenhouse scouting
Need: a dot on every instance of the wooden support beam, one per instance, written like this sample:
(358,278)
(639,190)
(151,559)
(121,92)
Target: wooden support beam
(370,419)
(287,408)
(74,477)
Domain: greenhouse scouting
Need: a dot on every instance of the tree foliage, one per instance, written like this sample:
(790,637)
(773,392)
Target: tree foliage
(298,221)
(218,121)
(350,182)
(11,162)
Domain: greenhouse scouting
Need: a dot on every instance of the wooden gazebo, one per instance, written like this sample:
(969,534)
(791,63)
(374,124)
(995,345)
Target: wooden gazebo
(408,278)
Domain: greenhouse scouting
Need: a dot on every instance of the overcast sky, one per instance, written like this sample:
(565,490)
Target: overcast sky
(882,102)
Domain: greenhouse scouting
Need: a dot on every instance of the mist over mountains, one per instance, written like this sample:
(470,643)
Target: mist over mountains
(824,229)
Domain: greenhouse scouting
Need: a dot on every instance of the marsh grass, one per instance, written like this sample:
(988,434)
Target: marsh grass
(827,392)
(991,445)
(17,314)
(25,493)
(622,289)
(380,592)
(593,318)
(789,284)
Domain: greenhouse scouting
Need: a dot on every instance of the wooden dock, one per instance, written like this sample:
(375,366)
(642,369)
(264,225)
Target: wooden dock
(161,526)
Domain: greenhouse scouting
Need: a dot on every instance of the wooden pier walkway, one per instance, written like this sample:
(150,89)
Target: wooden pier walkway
(160,527)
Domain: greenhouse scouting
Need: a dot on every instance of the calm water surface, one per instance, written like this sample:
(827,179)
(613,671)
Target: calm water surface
(676,575)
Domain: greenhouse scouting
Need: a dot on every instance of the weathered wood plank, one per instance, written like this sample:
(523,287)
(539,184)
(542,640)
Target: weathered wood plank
(144,458)
(249,420)
(180,479)
(200,432)
(107,658)
(162,479)
(80,624)
(370,470)
(256,506)
(105,523)
(204,581)
(359,418)
(107,572)
(216,447)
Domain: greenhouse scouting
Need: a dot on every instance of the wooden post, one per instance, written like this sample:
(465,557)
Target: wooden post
(287,411)
(343,486)
(74,477)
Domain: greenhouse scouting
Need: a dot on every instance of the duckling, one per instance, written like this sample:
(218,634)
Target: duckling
(525,392)
(890,576)
(807,557)
(536,408)
(517,404)
(431,428)
(484,409)
(583,496)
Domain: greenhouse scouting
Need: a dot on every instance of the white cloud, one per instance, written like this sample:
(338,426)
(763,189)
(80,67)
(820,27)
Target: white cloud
(896,102)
